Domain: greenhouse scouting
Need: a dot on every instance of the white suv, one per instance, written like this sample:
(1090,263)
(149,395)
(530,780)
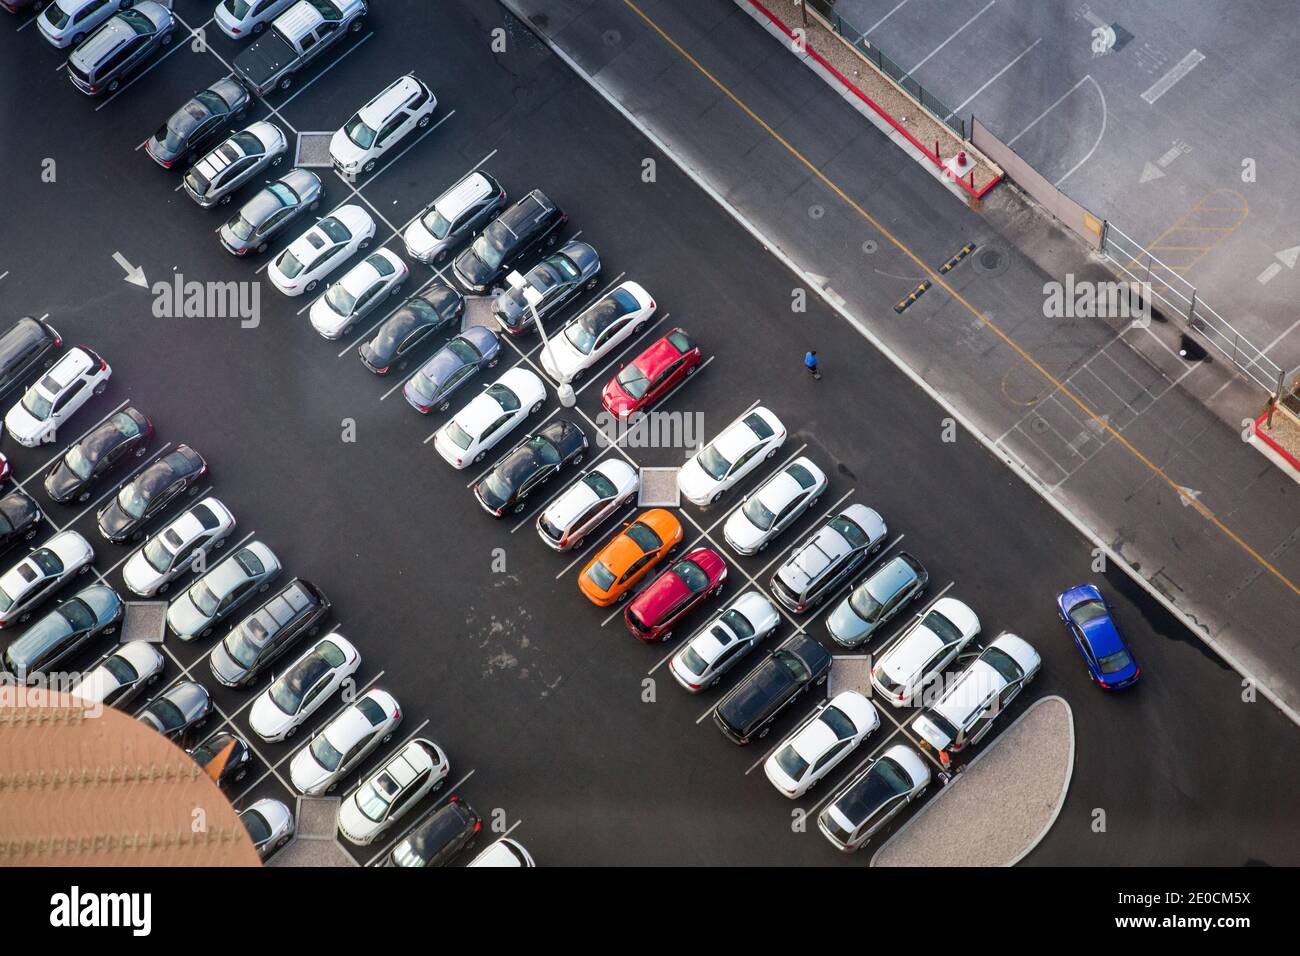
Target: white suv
(386,795)
(36,417)
(381,124)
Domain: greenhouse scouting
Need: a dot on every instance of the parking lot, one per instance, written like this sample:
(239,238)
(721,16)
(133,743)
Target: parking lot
(561,730)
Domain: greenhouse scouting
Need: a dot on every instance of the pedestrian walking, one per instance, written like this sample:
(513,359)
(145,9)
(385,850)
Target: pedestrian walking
(810,363)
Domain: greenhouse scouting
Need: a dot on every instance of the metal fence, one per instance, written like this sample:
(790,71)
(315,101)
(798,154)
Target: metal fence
(1179,296)
(858,38)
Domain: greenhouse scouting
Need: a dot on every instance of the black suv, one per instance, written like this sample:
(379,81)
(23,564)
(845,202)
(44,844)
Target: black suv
(444,834)
(508,240)
(20,518)
(259,639)
(76,471)
(28,343)
(748,710)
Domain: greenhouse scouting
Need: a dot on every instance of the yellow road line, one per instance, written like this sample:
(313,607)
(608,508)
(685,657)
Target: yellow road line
(1057,384)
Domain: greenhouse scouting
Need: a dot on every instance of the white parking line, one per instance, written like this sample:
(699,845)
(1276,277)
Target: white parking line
(1037,119)
(966,102)
(953,36)
(306,86)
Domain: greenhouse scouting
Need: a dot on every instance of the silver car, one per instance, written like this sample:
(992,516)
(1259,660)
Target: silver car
(451,367)
(197,610)
(117,678)
(215,177)
(874,602)
(453,217)
(270,823)
(121,45)
(270,211)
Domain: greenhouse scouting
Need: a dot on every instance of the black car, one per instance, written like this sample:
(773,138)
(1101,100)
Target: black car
(751,706)
(204,115)
(230,748)
(27,344)
(529,465)
(261,638)
(414,321)
(508,240)
(20,518)
(436,841)
(179,710)
(147,494)
(557,279)
(78,469)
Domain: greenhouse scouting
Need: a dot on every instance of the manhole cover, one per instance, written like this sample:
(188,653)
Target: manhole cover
(991,262)
(314,150)
(144,621)
(659,488)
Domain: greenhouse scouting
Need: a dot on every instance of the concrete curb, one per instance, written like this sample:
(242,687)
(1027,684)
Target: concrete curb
(1060,800)
(1010,460)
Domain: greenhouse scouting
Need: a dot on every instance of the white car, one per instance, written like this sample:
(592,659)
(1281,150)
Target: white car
(321,249)
(731,456)
(505,852)
(373,279)
(185,541)
(381,124)
(36,417)
(819,744)
(270,824)
(66,23)
(121,674)
(575,512)
(242,18)
(307,683)
(719,644)
(775,506)
(924,650)
(475,429)
(873,797)
(972,702)
(386,795)
(606,324)
(37,576)
(344,742)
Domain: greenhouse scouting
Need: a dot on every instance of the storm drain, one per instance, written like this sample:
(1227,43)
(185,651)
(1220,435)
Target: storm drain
(314,150)
(144,621)
(659,488)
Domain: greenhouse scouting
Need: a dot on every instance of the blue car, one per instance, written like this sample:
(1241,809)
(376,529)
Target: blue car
(1087,615)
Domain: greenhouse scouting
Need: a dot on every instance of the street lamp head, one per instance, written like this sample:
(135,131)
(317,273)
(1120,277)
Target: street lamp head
(532,296)
(515,279)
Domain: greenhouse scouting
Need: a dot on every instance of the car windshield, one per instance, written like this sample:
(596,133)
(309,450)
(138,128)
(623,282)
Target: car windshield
(334,230)
(713,463)
(644,536)
(56,16)
(863,604)
(850,530)
(633,381)
(498,486)
(256,826)
(204,599)
(1114,663)
(326,754)
(490,247)
(78,614)
(168,714)
(692,575)
(788,759)
(693,661)
(507,399)
(738,623)
(841,726)
(361,134)
(247,642)
(372,801)
(37,404)
(241,227)
(601,576)
(78,463)
(758,514)
(942,628)
(600,485)
(238,8)
(882,783)
(340,299)
(156,553)
(437,224)
(580,337)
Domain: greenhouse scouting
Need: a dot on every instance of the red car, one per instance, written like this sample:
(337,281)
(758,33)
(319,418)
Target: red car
(652,374)
(652,613)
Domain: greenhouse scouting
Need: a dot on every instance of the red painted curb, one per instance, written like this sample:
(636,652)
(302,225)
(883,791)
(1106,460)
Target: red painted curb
(1274,445)
(875,106)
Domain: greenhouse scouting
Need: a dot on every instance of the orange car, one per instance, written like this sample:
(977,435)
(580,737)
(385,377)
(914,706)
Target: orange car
(609,576)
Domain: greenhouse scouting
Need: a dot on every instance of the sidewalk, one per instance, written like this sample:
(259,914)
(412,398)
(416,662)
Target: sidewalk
(1142,450)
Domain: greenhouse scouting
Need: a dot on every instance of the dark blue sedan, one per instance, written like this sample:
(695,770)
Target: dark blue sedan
(1087,615)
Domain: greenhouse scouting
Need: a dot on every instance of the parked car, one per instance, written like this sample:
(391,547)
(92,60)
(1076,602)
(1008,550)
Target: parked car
(1089,618)
(262,638)
(53,399)
(297,37)
(346,302)
(632,554)
(55,638)
(200,118)
(35,578)
(238,19)
(270,823)
(748,710)
(505,852)
(399,336)
(321,249)
(406,105)
(309,682)
(451,367)
(271,210)
(820,743)
(508,241)
(778,503)
(971,703)
(214,178)
(602,327)
(65,23)
(149,493)
(388,793)
(448,831)
(921,653)
(875,602)
(533,462)
(120,46)
(186,542)
(698,574)
(829,557)
(342,744)
(650,376)
(28,344)
(178,711)
(224,756)
(213,597)
(718,645)
(556,280)
(478,427)
(20,519)
(122,436)
(873,797)
(582,507)
(723,462)
(453,217)
(121,674)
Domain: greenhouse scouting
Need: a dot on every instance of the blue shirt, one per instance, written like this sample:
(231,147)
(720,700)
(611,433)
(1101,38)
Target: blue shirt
(809,360)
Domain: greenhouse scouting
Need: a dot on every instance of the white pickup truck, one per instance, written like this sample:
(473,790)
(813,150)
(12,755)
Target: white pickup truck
(295,39)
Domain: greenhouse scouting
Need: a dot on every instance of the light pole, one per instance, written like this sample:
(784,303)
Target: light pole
(567,396)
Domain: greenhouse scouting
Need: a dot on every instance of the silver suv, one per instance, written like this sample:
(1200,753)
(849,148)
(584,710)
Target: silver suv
(833,553)
(453,217)
(215,177)
(124,42)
